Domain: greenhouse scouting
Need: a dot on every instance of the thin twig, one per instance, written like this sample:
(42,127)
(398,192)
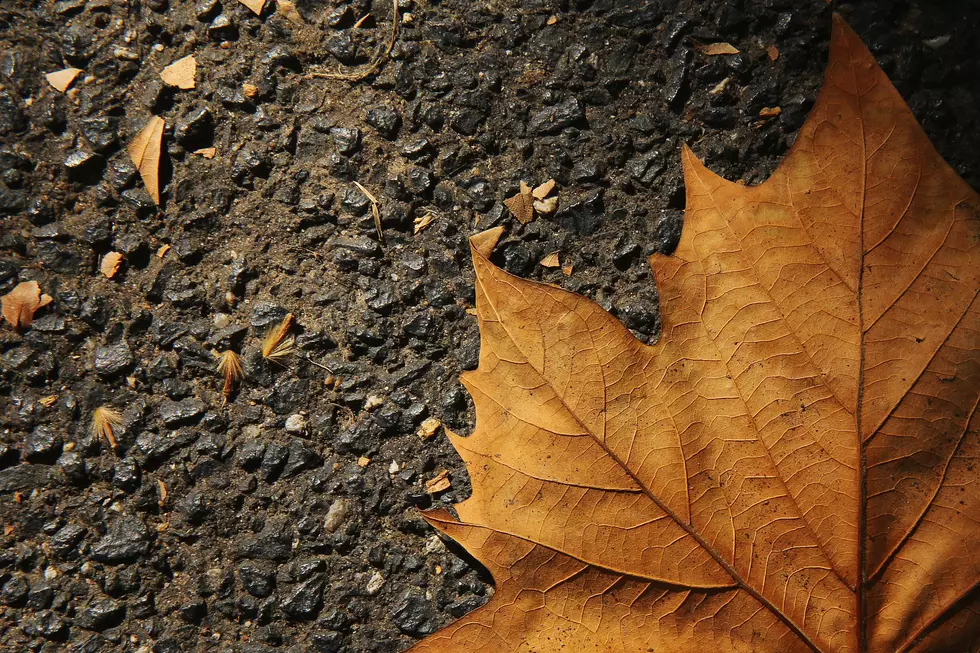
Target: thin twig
(375,210)
(320,365)
(379,58)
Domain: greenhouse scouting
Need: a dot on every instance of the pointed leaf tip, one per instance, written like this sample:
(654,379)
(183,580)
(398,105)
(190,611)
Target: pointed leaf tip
(484,242)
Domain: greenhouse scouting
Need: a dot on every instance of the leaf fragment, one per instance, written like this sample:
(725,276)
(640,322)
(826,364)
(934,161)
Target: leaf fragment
(181,73)
(542,191)
(145,153)
(110,264)
(521,205)
(440,483)
(207,152)
(60,80)
(429,427)
(255,5)
(773,52)
(551,260)
(20,304)
(715,49)
(770,112)
(422,222)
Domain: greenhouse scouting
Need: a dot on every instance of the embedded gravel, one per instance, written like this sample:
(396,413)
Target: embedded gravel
(287,520)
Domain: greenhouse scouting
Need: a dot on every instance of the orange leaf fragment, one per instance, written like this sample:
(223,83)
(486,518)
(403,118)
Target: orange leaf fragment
(288,9)
(20,304)
(793,467)
(255,5)
(521,205)
(207,152)
(773,52)
(181,73)
(440,483)
(770,112)
(145,153)
(542,191)
(550,261)
(110,264)
(60,80)
(714,49)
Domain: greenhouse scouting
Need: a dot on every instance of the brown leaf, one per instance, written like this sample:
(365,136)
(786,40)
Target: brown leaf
(714,49)
(60,80)
(550,261)
(255,5)
(207,152)
(773,52)
(145,153)
(181,73)
(20,304)
(770,112)
(110,264)
(522,204)
(793,467)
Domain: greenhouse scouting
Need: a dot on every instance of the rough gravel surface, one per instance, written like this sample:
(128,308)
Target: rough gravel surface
(287,519)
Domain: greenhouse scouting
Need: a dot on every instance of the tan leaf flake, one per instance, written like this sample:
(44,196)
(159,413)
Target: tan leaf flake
(440,483)
(48,401)
(773,52)
(363,461)
(714,49)
(551,260)
(423,222)
(20,304)
(521,205)
(207,152)
(567,270)
(255,5)
(793,466)
(720,86)
(163,251)
(110,264)
(145,153)
(181,73)
(60,80)
(770,112)
(542,191)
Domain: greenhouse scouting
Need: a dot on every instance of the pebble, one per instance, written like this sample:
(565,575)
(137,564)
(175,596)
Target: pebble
(126,540)
(126,475)
(414,614)
(64,541)
(113,360)
(374,584)
(256,580)
(73,466)
(42,444)
(180,413)
(296,424)
(385,119)
(347,139)
(554,119)
(306,601)
(336,515)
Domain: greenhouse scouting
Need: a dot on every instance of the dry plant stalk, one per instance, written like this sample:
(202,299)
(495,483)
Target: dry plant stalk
(105,421)
(230,365)
(375,210)
(278,343)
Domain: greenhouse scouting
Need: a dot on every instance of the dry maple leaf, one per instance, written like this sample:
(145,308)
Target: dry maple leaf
(794,466)
(20,304)
(145,153)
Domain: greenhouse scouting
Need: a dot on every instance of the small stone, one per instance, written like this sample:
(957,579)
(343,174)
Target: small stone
(296,424)
(257,581)
(554,119)
(127,475)
(336,515)
(347,139)
(113,360)
(126,540)
(385,119)
(15,591)
(414,615)
(300,458)
(306,602)
(42,444)
(101,615)
(273,461)
(179,413)
(66,539)
(73,466)
(374,584)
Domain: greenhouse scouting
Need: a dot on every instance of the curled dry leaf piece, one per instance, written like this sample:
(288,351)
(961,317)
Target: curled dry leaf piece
(20,304)
(145,153)
(793,467)
(542,191)
(423,222)
(110,264)
(770,112)
(440,483)
(60,80)
(714,49)
(207,152)
(255,5)
(181,73)
(521,205)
